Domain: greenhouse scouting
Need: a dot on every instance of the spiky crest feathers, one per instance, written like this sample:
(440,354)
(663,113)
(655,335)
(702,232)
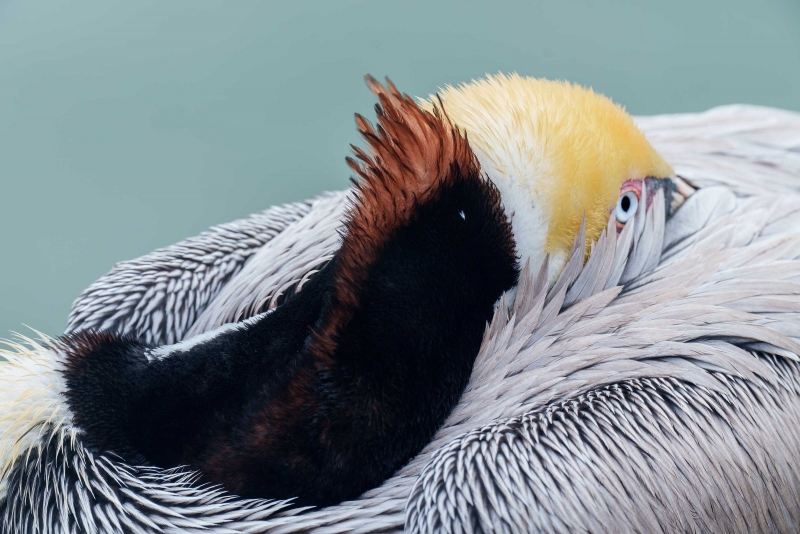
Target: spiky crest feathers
(413,156)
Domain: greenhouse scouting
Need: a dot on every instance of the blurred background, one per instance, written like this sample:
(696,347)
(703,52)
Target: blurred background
(128,125)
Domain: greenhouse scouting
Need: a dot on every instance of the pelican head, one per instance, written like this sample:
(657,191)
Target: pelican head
(559,154)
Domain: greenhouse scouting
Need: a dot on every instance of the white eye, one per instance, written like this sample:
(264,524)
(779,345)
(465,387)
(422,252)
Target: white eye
(626,206)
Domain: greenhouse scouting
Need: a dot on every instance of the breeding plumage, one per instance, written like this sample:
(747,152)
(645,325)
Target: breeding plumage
(330,393)
(559,153)
(648,371)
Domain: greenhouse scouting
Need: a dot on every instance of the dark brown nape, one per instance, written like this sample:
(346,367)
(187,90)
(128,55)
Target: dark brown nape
(78,345)
(267,410)
(413,155)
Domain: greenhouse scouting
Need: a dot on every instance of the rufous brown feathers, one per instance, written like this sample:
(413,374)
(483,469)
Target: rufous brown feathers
(413,155)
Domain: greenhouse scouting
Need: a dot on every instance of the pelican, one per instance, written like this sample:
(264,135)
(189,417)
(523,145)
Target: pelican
(642,376)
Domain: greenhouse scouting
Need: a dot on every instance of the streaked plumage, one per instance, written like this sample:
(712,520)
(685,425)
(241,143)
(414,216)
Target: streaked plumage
(327,395)
(564,378)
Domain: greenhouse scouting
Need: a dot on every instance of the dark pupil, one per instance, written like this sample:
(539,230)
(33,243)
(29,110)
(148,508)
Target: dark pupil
(626,203)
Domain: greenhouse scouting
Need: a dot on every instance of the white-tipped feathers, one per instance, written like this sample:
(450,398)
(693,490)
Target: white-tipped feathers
(674,405)
(674,398)
(158,297)
(32,408)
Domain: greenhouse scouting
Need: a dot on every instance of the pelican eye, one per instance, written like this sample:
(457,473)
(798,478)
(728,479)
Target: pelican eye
(626,207)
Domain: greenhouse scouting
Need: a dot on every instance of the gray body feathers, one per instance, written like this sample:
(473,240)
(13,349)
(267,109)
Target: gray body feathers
(655,389)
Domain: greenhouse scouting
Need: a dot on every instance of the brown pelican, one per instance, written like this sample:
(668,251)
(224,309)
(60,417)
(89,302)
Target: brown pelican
(642,376)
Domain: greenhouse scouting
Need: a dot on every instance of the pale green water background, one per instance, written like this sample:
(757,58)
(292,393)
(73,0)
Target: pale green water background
(128,125)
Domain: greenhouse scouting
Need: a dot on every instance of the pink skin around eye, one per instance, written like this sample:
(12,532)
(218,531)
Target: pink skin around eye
(629,185)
